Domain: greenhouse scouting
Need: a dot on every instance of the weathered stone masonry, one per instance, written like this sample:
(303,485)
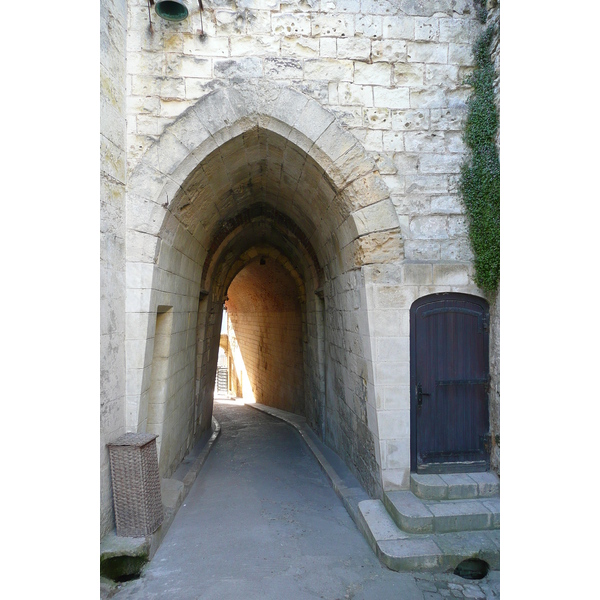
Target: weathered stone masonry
(113,180)
(344,117)
(494,18)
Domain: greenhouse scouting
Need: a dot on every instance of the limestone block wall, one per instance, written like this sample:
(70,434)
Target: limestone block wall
(239,384)
(391,75)
(391,72)
(208,337)
(171,390)
(113,180)
(314,361)
(350,411)
(390,291)
(171,284)
(494,18)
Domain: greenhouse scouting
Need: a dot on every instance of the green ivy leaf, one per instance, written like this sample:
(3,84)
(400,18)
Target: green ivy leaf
(480,174)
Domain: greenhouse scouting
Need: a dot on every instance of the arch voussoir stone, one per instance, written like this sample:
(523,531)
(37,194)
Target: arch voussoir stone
(195,157)
(170,153)
(353,164)
(189,130)
(216,110)
(380,216)
(335,142)
(288,106)
(146,180)
(313,121)
(367,189)
(274,125)
(147,217)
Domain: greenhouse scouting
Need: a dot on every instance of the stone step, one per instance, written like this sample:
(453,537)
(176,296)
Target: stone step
(455,486)
(436,552)
(414,515)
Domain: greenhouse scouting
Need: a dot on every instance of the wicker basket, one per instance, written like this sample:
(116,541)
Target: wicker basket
(136,484)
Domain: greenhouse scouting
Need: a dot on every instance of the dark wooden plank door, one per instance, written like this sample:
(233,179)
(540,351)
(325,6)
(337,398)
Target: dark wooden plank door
(449,383)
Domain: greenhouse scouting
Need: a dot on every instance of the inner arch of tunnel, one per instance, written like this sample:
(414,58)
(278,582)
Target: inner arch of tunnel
(272,314)
(264,308)
(254,185)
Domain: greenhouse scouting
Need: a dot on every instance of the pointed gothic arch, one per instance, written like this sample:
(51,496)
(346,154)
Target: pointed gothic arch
(280,154)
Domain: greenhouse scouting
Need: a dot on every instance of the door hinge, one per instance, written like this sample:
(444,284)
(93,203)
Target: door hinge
(486,441)
(486,322)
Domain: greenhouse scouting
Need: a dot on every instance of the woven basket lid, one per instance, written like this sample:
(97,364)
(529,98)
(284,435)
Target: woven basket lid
(134,439)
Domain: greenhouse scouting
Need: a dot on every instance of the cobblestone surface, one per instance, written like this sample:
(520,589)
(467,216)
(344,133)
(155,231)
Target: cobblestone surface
(436,586)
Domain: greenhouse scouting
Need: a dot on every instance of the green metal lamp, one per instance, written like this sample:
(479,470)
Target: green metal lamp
(172,10)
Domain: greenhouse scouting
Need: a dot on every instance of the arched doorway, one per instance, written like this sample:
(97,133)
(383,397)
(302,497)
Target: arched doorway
(449,357)
(232,176)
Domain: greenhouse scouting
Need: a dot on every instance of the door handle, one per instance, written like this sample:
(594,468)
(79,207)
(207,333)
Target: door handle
(420,394)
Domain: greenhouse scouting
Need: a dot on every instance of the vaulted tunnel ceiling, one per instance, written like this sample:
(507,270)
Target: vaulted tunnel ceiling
(259,225)
(260,166)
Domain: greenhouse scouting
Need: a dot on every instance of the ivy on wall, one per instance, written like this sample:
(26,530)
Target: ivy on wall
(481,10)
(480,174)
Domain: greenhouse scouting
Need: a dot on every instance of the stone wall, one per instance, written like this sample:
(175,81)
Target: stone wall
(347,117)
(170,403)
(494,17)
(350,420)
(391,290)
(112,241)
(391,72)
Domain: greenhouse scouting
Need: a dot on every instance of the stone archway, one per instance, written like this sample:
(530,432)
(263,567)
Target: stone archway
(266,318)
(317,199)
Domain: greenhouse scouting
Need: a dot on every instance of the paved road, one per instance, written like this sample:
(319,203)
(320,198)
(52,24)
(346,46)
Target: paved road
(262,522)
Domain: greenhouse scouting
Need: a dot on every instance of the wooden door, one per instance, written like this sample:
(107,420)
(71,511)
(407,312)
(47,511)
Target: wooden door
(449,383)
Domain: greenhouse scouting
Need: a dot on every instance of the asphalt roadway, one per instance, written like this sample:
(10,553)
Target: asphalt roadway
(262,522)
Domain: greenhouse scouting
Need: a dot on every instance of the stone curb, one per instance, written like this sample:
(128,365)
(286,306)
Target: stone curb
(345,485)
(176,491)
(194,469)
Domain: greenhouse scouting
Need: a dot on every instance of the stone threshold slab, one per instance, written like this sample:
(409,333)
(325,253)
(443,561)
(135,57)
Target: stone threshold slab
(455,486)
